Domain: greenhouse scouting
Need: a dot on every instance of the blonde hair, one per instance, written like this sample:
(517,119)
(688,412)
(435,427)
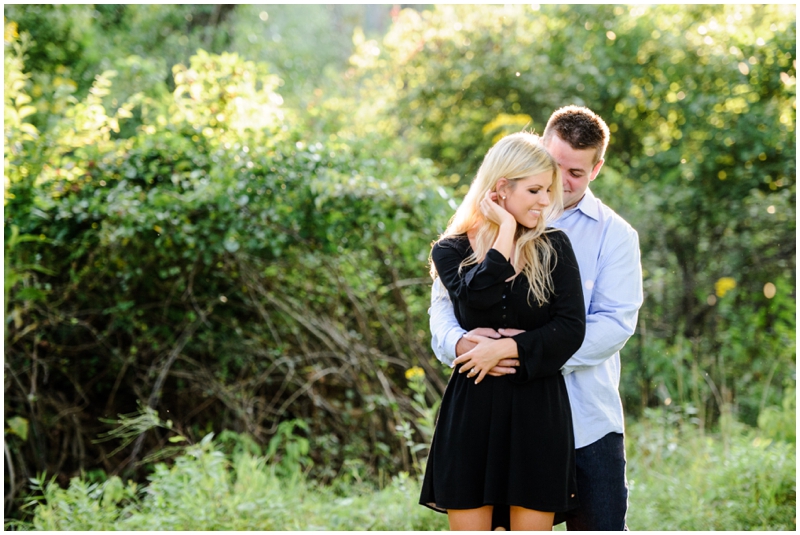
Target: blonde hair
(514,157)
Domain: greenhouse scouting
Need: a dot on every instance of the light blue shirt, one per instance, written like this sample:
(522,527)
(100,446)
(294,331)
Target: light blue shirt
(607,249)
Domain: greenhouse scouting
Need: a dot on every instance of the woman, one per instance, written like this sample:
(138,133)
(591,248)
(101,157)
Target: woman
(507,440)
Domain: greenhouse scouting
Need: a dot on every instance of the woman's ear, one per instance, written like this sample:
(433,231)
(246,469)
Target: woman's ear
(502,186)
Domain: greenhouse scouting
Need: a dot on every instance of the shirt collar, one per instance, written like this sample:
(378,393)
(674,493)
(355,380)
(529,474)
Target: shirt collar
(587,205)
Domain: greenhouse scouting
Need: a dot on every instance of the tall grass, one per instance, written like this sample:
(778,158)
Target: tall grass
(205,489)
(683,479)
(680,479)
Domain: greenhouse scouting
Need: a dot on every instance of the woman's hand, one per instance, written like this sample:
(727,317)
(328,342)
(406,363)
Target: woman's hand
(465,343)
(487,353)
(493,209)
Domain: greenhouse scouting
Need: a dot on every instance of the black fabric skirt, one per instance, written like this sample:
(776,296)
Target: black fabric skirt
(502,443)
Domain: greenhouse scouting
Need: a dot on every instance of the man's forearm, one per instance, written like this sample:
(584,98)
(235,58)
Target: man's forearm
(445,329)
(604,337)
(445,346)
(615,301)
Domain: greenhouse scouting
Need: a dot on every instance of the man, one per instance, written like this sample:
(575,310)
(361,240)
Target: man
(607,249)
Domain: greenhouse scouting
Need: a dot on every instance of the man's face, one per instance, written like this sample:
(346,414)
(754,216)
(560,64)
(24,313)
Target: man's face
(576,168)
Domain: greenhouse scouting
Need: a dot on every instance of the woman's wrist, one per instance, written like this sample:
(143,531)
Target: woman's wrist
(504,242)
(503,348)
(507,349)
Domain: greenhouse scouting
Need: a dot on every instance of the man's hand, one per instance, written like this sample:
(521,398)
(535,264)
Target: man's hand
(508,333)
(504,367)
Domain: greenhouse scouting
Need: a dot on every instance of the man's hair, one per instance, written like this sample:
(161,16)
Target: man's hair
(580,127)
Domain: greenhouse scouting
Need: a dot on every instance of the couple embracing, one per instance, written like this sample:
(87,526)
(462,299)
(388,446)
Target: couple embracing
(537,287)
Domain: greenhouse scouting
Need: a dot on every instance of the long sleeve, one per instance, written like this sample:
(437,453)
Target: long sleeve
(445,329)
(479,285)
(543,351)
(614,306)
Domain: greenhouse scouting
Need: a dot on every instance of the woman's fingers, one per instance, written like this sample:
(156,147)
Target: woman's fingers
(481,375)
(475,370)
(480,360)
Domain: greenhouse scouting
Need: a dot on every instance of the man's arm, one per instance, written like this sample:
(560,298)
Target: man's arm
(445,329)
(614,306)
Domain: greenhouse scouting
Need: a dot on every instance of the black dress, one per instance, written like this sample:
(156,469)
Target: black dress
(508,440)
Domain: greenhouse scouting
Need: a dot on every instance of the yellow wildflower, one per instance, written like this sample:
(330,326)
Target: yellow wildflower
(10,34)
(724,285)
(415,372)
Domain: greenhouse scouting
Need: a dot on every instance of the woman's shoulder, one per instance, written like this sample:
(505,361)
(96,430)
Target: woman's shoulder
(562,247)
(558,238)
(458,241)
(451,247)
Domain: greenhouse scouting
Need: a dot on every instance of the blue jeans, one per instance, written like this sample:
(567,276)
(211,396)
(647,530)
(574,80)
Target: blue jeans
(602,486)
(602,489)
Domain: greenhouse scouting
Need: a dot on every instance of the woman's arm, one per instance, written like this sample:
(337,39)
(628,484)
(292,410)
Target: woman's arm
(544,351)
(541,351)
(479,285)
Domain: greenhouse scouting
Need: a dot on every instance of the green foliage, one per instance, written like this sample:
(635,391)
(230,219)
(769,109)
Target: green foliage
(688,93)
(288,450)
(206,490)
(424,421)
(216,253)
(61,42)
(82,506)
(683,479)
(780,423)
(224,229)
(307,46)
(679,478)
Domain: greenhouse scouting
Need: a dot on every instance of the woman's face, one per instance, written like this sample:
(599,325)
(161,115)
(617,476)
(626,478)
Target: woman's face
(527,198)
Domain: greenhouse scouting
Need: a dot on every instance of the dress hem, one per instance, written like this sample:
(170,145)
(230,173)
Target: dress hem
(444,510)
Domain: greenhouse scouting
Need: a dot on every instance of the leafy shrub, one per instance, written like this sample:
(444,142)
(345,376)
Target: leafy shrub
(220,267)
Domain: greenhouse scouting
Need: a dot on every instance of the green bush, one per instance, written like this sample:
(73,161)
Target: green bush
(217,260)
